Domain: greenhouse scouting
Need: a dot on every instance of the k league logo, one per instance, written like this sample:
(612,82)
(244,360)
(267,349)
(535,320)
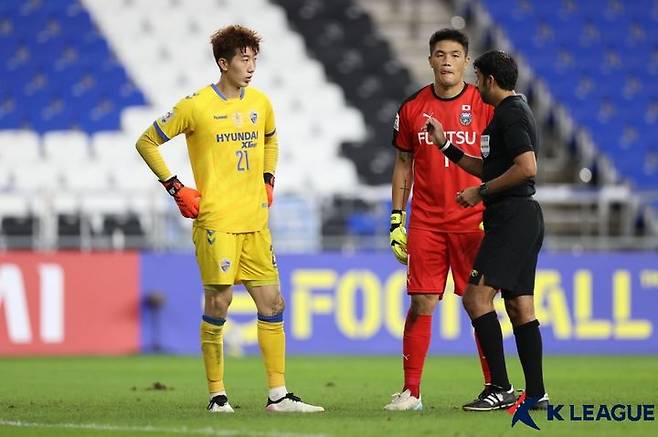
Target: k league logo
(581,413)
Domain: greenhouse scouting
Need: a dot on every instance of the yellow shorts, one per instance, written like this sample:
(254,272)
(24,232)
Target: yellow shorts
(227,259)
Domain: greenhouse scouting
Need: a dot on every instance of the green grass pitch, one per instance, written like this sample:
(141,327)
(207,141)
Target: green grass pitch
(115,396)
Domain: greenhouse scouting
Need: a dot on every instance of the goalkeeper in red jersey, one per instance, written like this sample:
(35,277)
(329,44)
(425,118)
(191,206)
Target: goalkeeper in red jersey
(442,235)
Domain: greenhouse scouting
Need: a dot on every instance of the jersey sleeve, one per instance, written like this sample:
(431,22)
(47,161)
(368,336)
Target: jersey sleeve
(147,146)
(271,153)
(401,132)
(177,121)
(270,125)
(517,139)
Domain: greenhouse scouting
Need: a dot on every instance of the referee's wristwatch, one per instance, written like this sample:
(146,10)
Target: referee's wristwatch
(483,191)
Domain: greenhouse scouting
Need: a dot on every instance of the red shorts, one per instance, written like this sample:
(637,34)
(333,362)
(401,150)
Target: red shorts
(431,254)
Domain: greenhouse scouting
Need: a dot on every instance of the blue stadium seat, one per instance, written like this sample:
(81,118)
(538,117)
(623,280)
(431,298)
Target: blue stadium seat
(600,59)
(53,59)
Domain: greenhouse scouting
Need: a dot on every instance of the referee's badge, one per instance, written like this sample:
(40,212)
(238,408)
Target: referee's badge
(466,116)
(484,145)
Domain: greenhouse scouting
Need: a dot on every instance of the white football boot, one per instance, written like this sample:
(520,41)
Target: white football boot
(291,404)
(405,402)
(219,404)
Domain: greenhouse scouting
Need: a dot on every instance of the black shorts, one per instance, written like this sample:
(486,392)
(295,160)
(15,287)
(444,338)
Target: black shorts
(513,235)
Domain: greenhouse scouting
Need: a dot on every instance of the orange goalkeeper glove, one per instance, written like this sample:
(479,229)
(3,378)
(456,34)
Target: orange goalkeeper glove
(186,198)
(269,187)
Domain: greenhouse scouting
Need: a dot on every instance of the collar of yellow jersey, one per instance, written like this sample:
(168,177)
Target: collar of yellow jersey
(221,95)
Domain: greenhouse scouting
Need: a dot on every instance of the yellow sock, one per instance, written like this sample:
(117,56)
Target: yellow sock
(272,342)
(212,345)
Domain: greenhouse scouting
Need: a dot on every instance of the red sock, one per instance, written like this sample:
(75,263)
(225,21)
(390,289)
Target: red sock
(483,361)
(416,341)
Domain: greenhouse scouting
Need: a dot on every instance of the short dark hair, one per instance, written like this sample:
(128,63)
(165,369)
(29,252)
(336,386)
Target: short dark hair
(450,35)
(228,39)
(501,66)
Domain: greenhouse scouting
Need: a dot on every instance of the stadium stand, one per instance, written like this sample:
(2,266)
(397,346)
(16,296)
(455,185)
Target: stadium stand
(81,79)
(598,59)
(58,70)
(343,37)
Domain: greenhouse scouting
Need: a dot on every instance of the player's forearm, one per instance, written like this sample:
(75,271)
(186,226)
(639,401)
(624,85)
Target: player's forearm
(468,163)
(402,181)
(271,157)
(147,146)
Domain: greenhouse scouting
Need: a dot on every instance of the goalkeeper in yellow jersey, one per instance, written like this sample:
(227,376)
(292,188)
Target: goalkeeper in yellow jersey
(231,141)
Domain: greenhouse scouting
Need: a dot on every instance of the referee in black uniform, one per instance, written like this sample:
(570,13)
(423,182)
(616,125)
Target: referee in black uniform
(514,231)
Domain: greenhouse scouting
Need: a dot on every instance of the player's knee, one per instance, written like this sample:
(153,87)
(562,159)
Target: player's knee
(512,311)
(272,306)
(216,301)
(520,310)
(423,305)
(520,318)
(476,303)
(278,305)
(469,302)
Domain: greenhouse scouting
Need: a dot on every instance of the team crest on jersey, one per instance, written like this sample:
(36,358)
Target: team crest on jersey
(466,117)
(237,119)
(225,265)
(484,145)
(253,116)
(165,118)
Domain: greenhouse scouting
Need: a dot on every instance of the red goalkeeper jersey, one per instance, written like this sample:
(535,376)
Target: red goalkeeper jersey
(436,179)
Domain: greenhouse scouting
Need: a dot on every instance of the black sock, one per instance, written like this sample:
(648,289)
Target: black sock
(528,343)
(488,331)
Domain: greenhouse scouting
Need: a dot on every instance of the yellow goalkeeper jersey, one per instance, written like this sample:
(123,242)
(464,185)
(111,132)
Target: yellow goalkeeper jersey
(226,140)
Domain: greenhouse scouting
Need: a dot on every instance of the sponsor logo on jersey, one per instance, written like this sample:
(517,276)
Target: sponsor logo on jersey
(455,137)
(210,235)
(220,117)
(253,116)
(236,136)
(484,145)
(225,265)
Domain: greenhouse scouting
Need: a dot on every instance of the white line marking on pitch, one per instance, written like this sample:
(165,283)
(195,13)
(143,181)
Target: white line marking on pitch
(153,429)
